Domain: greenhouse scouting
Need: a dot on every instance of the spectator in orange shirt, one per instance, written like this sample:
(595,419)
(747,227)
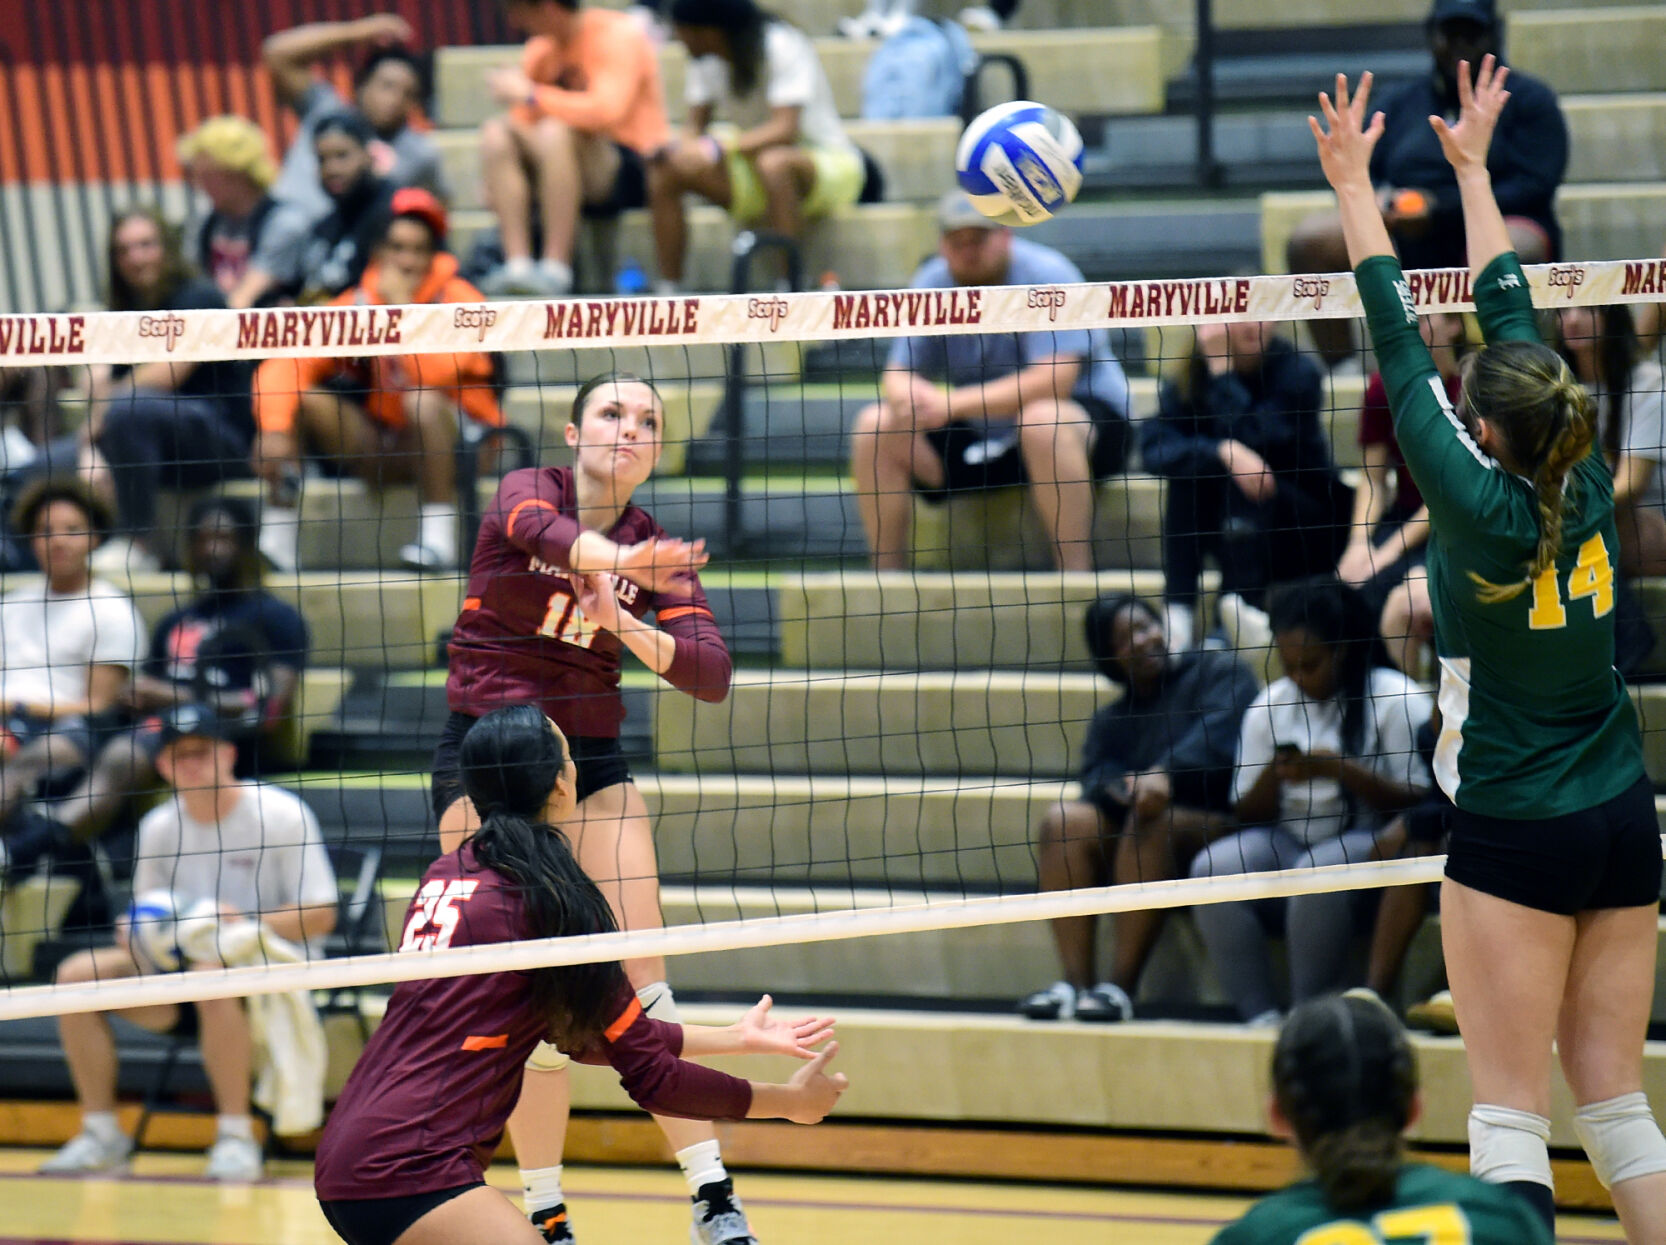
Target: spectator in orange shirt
(388,420)
(586,110)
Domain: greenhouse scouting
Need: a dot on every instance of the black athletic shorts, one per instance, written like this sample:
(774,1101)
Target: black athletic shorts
(600,762)
(383,1220)
(630,186)
(1602,857)
(985,456)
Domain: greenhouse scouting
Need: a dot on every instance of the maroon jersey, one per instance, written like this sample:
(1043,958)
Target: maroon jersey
(521,636)
(425,1106)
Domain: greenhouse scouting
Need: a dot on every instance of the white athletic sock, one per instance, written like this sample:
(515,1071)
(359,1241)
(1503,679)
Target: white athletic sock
(666,288)
(240,1126)
(280,536)
(702,1164)
(101,1124)
(541,1187)
(437,529)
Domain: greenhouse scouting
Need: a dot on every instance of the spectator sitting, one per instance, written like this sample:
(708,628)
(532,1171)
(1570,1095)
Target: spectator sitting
(1048,409)
(790,159)
(1250,481)
(1418,189)
(248,850)
(341,242)
(1600,346)
(236,648)
(1391,524)
(69,644)
(1156,787)
(163,424)
(586,110)
(389,419)
(1327,754)
(249,244)
(388,91)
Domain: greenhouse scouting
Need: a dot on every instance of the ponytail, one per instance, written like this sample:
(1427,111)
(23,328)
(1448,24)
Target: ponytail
(1548,421)
(1356,1167)
(511,760)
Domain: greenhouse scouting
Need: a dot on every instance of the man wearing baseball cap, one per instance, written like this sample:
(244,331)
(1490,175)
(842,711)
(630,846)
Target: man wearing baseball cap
(241,851)
(249,244)
(1417,188)
(982,411)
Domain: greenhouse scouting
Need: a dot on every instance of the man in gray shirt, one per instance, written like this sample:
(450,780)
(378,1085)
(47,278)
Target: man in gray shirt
(987,410)
(388,89)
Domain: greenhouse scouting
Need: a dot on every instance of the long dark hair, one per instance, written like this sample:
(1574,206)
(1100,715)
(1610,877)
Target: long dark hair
(510,761)
(1548,422)
(1099,624)
(121,296)
(1616,356)
(743,25)
(1345,1078)
(1337,616)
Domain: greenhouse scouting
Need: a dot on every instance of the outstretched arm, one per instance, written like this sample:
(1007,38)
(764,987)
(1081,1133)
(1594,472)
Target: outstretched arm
(1465,145)
(1345,146)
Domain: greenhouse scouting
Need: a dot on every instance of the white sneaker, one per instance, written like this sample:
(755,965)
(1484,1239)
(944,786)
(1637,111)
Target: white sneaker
(85,1153)
(234,1158)
(425,559)
(980,17)
(1055,1002)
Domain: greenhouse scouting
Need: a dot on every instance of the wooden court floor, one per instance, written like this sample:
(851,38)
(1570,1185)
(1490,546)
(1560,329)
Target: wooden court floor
(163,1201)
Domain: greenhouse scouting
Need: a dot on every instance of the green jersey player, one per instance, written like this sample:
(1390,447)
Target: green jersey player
(1550,902)
(1345,1090)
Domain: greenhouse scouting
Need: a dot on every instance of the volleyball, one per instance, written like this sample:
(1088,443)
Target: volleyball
(1020,162)
(152,924)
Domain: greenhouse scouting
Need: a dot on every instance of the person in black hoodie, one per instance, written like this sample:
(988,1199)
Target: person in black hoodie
(1250,479)
(344,240)
(1414,182)
(1156,788)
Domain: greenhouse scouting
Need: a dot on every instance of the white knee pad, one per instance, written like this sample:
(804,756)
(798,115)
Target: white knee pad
(1621,1138)
(1506,1145)
(546,1058)
(658,1002)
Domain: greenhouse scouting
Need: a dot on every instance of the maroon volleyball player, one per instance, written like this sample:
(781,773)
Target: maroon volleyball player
(402,1158)
(563,572)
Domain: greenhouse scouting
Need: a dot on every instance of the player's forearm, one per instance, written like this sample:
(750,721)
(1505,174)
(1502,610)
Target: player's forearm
(655,648)
(591,553)
(1362,222)
(1485,233)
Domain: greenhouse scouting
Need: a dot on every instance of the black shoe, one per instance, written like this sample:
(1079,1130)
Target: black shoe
(718,1217)
(553,1224)
(32,838)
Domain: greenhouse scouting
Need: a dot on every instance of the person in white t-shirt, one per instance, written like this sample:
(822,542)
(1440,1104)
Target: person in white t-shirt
(1325,756)
(69,644)
(252,851)
(784,156)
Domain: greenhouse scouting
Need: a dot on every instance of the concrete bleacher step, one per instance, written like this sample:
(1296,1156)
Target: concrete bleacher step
(1099,69)
(1132,239)
(1600,220)
(1592,48)
(916,157)
(563,369)
(1616,138)
(869,246)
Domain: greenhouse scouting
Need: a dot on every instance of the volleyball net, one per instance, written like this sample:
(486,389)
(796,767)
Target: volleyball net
(893,743)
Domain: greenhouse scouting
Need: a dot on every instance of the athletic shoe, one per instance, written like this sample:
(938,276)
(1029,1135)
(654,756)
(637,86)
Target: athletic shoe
(235,1158)
(980,17)
(1056,1002)
(1434,1013)
(718,1217)
(425,559)
(1272,1018)
(1105,1003)
(85,1153)
(553,1224)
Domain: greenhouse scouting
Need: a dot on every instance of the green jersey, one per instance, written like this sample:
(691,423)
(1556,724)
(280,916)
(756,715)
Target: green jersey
(1430,1207)
(1536,721)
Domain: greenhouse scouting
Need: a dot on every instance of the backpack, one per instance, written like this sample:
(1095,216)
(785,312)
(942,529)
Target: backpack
(920,71)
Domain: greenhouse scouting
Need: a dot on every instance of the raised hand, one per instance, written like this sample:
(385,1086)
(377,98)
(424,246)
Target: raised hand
(597,600)
(1479,104)
(813,1091)
(760,1033)
(1345,140)
(661,564)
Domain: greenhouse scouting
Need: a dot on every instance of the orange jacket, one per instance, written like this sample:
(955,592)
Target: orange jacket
(465,378)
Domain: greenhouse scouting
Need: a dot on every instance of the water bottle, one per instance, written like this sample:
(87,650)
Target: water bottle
(630,279)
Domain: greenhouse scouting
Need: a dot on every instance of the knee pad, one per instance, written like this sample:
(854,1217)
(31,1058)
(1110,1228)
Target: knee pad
(1507,1145)
(658,1002)
(1621,1138)
(546,1058)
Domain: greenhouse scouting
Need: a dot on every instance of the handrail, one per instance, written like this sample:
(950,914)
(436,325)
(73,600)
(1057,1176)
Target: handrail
(748,243)
(1208,168)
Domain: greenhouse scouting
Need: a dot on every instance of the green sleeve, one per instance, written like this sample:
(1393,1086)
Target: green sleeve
(1503,302)
(1458,481)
